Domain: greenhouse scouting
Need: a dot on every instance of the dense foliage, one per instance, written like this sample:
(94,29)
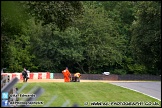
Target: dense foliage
(122,37)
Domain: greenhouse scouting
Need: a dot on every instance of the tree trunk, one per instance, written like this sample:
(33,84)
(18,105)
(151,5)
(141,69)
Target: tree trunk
(81,68)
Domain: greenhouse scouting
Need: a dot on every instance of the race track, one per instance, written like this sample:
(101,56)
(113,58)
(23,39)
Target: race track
(62,80)
(150,88)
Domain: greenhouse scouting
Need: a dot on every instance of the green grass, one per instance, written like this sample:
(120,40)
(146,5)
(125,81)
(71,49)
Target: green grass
(82,92)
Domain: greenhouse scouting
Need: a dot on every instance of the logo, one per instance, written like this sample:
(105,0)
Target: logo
(4,95)
(4,103)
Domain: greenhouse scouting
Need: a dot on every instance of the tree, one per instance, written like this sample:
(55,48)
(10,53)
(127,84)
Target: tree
(100,39)
(13,16)
(60,13)
(146,36)
(122,14)
(53,49)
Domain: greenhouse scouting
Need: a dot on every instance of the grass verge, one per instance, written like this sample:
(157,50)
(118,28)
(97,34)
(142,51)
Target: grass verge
(89,94)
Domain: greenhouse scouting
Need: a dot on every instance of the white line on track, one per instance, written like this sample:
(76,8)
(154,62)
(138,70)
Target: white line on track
(137,91)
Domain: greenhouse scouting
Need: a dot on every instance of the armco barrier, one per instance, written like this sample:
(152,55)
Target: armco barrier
(51,75)
(21,77)
(48,75)
(14,75)
(44,75)
(18,76)
(10,75)
(113,77)
(35,76)
(39,75)
(31,75)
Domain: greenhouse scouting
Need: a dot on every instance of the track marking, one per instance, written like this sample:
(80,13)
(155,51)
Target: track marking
(137,91)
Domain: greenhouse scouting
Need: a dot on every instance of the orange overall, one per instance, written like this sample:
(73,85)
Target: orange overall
(67,75)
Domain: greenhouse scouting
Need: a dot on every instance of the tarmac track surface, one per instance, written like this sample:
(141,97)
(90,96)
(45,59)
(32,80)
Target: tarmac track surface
(150,88)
